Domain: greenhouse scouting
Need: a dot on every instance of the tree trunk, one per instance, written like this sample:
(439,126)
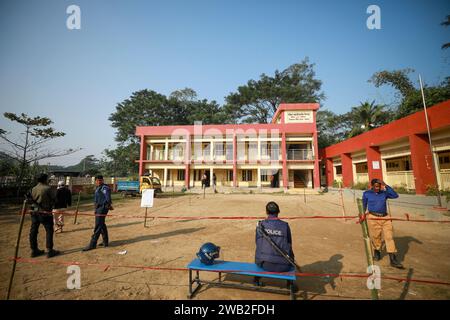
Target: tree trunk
(23,165)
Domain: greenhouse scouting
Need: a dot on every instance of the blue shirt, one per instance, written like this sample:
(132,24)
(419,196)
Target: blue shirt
(376,201)
(102,196)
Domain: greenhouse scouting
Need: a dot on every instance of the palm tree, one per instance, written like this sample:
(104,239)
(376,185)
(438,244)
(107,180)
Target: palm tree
(365,117)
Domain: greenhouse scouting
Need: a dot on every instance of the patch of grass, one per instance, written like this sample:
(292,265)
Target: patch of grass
(169,194)
(403,190)
(336,184)
(433,191)
(361,186)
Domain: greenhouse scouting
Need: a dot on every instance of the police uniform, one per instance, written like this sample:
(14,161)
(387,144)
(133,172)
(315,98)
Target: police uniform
(102,199)
(266,256)
(43,200)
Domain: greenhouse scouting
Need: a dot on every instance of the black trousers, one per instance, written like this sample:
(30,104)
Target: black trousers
(100,228)
(275,267)
(47,222)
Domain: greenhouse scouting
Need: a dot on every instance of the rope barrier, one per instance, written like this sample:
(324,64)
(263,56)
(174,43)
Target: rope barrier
(106,267)
(407,217)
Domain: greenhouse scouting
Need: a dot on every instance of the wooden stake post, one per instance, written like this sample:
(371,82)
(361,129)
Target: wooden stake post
(367,244)
(342,203)
(145,219)
(76,210)
(16,253)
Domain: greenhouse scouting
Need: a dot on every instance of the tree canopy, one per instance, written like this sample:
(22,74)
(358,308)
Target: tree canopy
(257,101)
(30,145)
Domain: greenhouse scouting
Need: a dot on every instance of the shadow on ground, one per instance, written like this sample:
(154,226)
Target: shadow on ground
(317,285)
(403,244)
(118,243)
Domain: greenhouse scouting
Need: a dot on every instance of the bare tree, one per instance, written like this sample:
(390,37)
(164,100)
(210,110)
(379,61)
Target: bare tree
(30,146)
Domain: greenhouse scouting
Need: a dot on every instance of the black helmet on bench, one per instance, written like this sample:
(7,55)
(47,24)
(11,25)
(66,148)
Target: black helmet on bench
(208,252)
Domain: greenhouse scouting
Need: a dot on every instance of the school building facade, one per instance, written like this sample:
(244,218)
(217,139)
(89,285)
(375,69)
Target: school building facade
(280,154)
(399,153)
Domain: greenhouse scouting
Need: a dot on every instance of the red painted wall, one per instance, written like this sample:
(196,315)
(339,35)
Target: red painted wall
(329,171)
(422,163)
(412,127)
(373,154)
(438,115)
(347,170)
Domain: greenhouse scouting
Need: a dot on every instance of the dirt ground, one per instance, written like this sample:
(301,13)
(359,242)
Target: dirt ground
(320,246)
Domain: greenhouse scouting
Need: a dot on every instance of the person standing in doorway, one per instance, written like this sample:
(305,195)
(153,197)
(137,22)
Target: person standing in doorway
(204,178)
(214,182)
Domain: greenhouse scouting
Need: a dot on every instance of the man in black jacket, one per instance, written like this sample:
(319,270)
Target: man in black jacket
(63,201)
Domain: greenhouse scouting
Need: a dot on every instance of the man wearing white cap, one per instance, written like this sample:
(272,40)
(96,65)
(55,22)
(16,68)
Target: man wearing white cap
(63,201)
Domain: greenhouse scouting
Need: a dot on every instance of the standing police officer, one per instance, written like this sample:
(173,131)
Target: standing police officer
(374,204)
(266,256)
(43,199)
(103,204)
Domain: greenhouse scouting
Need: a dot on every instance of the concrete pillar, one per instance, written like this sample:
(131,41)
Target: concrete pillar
(284,158)
(211,174)
(166,150)
(258,181)
(143,153)
(165,178)
(422,163)
(211,150)
(187,162)
(151,153)
(235,161)
(258,157)
(374,165)
(347,170)
(316,172)
(329,171)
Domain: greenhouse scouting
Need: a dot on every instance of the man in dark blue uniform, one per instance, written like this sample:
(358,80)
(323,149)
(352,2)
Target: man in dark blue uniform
(266,255)
(103,204)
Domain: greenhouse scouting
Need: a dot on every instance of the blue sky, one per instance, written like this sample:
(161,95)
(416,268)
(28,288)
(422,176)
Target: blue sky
(76,77)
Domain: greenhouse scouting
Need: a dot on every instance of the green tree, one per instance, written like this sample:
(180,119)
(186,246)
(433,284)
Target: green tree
(8,166)
(257,101)
(398,79)
(30,146)
(149,108)
(365,117)
(330,127)
(410,97)
(88,165)
(120,162)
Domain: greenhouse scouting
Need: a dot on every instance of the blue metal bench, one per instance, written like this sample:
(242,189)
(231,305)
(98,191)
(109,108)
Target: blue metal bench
(239,268)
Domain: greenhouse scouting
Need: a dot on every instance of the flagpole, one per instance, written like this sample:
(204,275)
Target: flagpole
(429,140)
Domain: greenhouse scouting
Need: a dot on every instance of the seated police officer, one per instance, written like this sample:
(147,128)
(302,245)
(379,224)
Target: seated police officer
(266,256)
